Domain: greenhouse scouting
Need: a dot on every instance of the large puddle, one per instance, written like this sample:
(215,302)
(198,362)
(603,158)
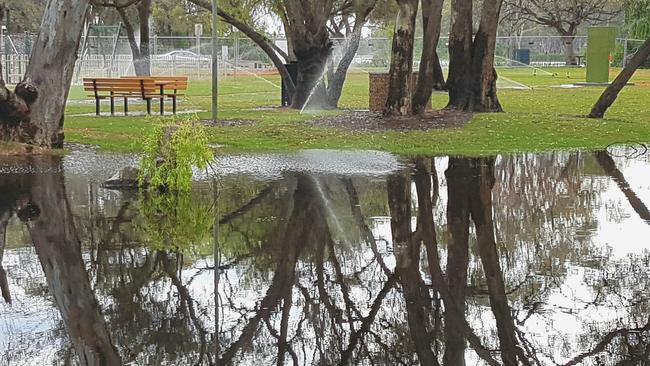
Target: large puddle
(324,258)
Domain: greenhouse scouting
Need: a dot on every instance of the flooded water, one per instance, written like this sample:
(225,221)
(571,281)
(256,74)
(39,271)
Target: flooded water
(330,258)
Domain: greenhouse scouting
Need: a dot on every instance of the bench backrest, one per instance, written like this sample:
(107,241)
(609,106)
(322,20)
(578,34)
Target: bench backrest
(176,83)
(99,87)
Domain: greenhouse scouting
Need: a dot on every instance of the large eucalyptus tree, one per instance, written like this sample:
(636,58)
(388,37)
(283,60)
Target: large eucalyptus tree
(33,112)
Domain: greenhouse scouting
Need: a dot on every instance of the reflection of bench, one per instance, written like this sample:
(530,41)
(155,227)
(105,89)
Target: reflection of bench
(145,88)
(167,86)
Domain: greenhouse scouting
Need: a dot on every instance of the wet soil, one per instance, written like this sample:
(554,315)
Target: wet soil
(375,121)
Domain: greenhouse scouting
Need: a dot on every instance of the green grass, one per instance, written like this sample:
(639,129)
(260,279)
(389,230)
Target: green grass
(543,118)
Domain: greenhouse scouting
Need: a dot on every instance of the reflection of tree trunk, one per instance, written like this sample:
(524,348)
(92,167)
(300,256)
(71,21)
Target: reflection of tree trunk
(456,326)
(481,209)
(408,266)
(458,176)
(367,321)
(366,233)
(4,285)
(283,346)
(59,251)
(609,166)
(307,223)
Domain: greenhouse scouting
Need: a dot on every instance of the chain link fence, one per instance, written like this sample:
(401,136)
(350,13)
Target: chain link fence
(110,55)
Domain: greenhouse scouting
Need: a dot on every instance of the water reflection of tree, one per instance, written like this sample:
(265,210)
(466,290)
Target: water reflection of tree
(40,201)
(304,282)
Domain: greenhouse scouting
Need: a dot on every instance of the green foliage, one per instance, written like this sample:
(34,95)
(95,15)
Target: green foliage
(23,16)
(171,151)
(637,18)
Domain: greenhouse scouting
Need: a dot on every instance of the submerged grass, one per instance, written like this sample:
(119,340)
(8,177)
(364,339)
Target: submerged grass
(542,118)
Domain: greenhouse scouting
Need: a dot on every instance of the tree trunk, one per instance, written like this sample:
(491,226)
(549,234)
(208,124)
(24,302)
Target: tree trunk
(399,100)
(140,52)
(472,77)
(458,183)
(483,72)
(58,247)
(142,64)
(430,76)
(312,57)
(39,121)
(611,93)
(335,84)
(460,55)
(569,50)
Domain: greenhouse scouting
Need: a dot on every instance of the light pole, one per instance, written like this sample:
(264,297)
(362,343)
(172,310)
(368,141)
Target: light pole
(3,28)
(215,62)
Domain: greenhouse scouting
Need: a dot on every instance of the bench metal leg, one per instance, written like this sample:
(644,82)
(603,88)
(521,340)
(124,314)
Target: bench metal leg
(126,106)
(112,106)
(148,106)
(97,109)
(174,104)
(162,106)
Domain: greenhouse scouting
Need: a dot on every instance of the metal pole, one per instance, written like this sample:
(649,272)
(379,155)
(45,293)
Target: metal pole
(4,54)
(217,264)
(625,53)
(198,59)
(215,62)
(236,53)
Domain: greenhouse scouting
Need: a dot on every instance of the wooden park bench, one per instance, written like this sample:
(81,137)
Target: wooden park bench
(171,87)
(145,88)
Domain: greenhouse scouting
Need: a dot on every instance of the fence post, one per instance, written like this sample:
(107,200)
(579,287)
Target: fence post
(236,53)
(624,53)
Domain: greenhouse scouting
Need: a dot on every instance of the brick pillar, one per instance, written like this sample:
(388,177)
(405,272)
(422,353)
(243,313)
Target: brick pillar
(379,90)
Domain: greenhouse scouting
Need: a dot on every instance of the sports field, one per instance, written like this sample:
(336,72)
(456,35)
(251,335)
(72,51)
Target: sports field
(540,117)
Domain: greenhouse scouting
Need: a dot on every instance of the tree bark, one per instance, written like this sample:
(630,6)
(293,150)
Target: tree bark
(460,55)
(430,76)
(307,23)
(26,118)
(569,50)
(335,84)
(140,52)
(484,74)
(400,95)
(611,93)
(472,77)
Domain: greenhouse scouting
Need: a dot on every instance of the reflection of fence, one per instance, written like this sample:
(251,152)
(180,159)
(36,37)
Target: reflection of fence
(191,55)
